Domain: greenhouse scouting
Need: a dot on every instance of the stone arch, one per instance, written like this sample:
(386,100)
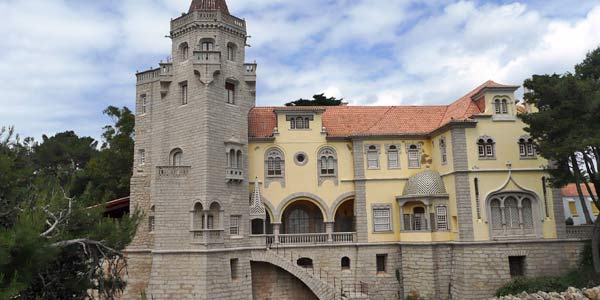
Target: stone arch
(339,201)
(303,196)
(501,198)
(319,288)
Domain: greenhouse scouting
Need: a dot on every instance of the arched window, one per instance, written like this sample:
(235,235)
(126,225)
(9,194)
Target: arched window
(214,216)
(345,263)
(184,50)
(206,46)
(231,51)
(497,107)
(504,106)
(232,159)
(511,213)
(176,157)
(526,149)
(486,148)
(496,214)
(299,123)
(327,161)
(443,152)
(230,89)
(275,163)
(198,217)
(239,159)
(527,213)
(414,160)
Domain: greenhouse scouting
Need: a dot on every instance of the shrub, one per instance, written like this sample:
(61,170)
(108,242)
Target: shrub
(570,221)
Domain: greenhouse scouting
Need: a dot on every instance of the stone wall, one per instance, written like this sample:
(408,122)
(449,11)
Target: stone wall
(272,283)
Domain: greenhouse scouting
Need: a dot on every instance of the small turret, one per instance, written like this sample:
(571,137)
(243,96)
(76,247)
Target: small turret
(209,5)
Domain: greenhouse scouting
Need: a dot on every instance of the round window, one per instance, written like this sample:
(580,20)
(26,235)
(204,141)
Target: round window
(301,158)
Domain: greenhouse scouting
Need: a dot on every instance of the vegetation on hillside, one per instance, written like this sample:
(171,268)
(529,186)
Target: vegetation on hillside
(52,244)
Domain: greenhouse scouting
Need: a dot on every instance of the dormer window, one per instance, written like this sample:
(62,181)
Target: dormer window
(501,106)
(299,122)
(526,149)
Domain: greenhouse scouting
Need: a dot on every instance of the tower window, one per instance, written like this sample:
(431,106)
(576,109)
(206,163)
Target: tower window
(443,151)
(231,49)
(184,51)
(142,157)
(207,46)
(345,263)
(327,162)
(144,104)
(176,157)
(233,263)
(234,225)
(501,106)
(230,88)
(184,93)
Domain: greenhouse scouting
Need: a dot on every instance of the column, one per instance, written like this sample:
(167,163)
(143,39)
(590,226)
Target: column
(276,233)
(329,231)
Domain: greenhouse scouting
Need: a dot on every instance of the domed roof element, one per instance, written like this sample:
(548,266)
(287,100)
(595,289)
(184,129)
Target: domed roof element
(426,183)
(209,5)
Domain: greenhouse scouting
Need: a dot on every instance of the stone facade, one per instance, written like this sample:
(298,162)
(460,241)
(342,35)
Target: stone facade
(197,151)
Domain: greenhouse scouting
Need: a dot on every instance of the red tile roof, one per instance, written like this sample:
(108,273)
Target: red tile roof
(346,121)
(571,190)
(209,5)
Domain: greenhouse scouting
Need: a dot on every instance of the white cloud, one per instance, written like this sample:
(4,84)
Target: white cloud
(63,61)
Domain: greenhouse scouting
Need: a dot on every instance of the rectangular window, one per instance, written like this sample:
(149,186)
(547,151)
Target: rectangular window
(504,107)
(530,151)
(573,209)
(522,149)
(151,223)
(230,53)
(381,263)
(234,225)
(382,219)
(184,93)
(516,265)
(207,46)
(210,222)
(230,87)
(481,150)
(233,263)
(142,157)
(413,159)
(373,159)
(441,214)
(393,160)
(144,104)
(489,150)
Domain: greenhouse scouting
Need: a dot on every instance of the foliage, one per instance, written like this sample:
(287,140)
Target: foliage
(583,277)
(317,100)
(52,244)
(567,132)
(569,221)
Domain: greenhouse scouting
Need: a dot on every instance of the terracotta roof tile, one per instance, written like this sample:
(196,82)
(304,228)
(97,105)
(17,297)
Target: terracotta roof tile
(571,190)
(346,121)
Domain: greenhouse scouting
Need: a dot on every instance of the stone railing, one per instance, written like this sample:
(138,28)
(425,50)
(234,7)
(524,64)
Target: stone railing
(234,174)
(208,236)
(582,232)
(207,57)
(304,238)
(173,171)
(148,75)
(250,68)
(343,237)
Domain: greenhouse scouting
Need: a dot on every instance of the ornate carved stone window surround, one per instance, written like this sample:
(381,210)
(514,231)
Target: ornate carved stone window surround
(526,148)
(513,214)
(327,165)
(274,166)
(486,148)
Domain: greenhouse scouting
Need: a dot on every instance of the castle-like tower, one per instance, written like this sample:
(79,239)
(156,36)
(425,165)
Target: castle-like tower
(191,159)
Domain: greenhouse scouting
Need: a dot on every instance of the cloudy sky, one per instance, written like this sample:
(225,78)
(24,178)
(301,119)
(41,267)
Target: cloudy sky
(63,61)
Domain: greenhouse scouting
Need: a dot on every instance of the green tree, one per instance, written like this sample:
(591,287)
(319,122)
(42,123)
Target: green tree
(567,131)
(317,100)
(110,171)
(53,246)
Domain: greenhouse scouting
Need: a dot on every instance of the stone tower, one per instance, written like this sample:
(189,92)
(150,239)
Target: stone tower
(190,178)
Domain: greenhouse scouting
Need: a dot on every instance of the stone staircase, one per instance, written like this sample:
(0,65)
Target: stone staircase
(324,287)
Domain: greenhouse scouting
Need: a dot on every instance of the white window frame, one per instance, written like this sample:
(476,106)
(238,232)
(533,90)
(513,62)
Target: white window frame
(393,156)
(142,157)
(372,157)
(486,148)
(413,155)
(441,218)
(383,222)
(234,225)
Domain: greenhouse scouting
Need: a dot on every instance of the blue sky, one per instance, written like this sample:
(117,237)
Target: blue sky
(63,61)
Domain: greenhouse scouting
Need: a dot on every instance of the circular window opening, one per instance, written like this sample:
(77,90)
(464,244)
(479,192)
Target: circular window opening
(301,158)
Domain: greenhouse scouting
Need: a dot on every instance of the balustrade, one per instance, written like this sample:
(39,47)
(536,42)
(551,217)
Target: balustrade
(173,171)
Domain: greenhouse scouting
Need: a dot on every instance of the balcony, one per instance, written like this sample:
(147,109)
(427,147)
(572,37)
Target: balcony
(207,236)
(250,75)
(234,175)
(173,171)
(207,57)
(311,238)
